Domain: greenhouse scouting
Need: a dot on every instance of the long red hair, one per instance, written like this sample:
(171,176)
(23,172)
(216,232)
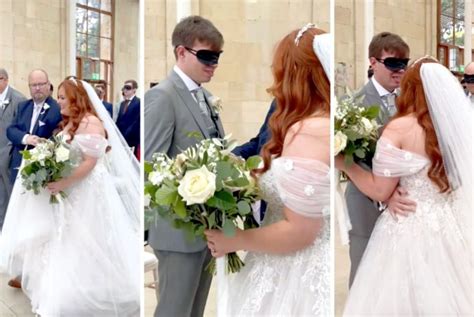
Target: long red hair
(79,105)
(412,101)
(300,87)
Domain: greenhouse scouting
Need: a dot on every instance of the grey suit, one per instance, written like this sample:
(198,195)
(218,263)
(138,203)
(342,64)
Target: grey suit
(13,98)
(170,113)
(363,212)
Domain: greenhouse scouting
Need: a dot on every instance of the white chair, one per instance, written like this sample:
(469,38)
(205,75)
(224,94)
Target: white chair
(151,264)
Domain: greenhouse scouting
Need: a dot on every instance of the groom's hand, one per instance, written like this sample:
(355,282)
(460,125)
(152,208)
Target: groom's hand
(399,204)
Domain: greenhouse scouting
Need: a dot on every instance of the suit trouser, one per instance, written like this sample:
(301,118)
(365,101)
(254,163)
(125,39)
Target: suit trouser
(183,283)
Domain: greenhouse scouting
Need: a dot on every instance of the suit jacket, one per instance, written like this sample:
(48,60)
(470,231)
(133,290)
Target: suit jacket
(46,123)
(129,122)
(363,221)
(109,108)
(254,146)
(170,113)
(7,115)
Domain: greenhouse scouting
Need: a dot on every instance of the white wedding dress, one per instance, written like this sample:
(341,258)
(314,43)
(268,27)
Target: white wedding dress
(80,257)
(294,284)
(420,265)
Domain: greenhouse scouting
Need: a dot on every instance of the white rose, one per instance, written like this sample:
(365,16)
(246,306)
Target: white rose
(62,154)
(146,200)
(197,186)
(340,142)
(155,178)
(46,106)
(367,125)
(215,103)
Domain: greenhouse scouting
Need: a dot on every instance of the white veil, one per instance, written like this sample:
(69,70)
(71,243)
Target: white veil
(122,164)
(322,46)
(452,117)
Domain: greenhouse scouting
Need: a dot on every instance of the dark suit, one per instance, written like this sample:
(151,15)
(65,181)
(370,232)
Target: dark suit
(46,123)
(109,107)
(255,145)
(128,122)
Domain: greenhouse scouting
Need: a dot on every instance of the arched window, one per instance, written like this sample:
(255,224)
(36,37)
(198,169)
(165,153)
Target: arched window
(94,41)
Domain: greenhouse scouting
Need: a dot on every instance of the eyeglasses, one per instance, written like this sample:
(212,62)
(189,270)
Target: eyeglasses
(126,87)
(469,78)
(393,63)
(38,85)
(206,57)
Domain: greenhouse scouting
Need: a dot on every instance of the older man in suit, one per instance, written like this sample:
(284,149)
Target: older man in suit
(175,107)
(9,100)
(36,119)
(388,57)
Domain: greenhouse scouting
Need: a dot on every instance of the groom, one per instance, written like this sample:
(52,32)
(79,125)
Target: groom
(388,56)
(175,107)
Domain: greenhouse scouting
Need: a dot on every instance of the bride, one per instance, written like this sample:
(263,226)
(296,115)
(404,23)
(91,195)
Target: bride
(420,265)
(286,271)
(81,256)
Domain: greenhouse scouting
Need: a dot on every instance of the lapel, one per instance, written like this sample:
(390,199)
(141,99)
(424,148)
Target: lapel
(372,97)
(28,114)
(186,98)
(43,113)
(214,116)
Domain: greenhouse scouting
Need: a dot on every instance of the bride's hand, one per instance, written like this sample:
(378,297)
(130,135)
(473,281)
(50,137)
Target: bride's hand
(58,186)
(220,244)
(339,162)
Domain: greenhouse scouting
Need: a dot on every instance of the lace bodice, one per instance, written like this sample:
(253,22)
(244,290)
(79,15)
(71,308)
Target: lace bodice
(435,210)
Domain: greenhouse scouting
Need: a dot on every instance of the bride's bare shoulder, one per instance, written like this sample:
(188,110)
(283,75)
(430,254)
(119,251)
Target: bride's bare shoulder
(317,126)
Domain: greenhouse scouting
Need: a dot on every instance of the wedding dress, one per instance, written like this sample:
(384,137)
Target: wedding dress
(420,265)
(293,284)
(80,257)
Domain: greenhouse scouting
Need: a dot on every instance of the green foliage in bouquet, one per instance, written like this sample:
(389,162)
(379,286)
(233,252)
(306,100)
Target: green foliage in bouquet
(204,187)
(48,162)
(355,128)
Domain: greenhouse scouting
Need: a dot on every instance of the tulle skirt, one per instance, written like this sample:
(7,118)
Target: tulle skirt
(418,266)
(76,258)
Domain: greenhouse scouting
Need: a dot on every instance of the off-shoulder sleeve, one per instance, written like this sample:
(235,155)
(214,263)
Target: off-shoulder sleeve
(390,161)
(303,185)
(93,145)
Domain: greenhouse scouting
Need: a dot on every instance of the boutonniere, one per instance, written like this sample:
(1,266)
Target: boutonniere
(45,107)
(41,123)
(215,103)
(5,103)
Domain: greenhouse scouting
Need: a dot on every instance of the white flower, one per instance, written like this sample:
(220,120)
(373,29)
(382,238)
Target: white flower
(366,126)
(146,200)
(197,186)
(46,106)
(4,104)
(180,160)
(386,173)
(155,178)
(288,164)
(216,103)
(62,154)
(340,142)
(309,190)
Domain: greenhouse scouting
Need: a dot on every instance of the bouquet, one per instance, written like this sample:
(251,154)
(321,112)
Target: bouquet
(47,162)
(205,187)
(355,128)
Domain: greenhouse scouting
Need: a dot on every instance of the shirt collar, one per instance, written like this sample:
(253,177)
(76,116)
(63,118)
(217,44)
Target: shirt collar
(3,95)
(190,84)
(380,89)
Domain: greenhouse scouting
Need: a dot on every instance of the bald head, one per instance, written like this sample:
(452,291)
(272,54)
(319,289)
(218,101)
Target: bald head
(39,85)
(3,80)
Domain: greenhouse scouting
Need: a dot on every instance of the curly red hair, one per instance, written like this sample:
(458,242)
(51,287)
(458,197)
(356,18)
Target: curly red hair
(79,104)
(300,87)
(412,101)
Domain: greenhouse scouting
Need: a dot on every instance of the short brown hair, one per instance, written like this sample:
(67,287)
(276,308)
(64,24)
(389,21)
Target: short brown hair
(132,82)
(193,28)
(389,42)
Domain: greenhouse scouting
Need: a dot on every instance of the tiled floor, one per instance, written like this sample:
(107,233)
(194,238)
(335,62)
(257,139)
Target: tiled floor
(12,301)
